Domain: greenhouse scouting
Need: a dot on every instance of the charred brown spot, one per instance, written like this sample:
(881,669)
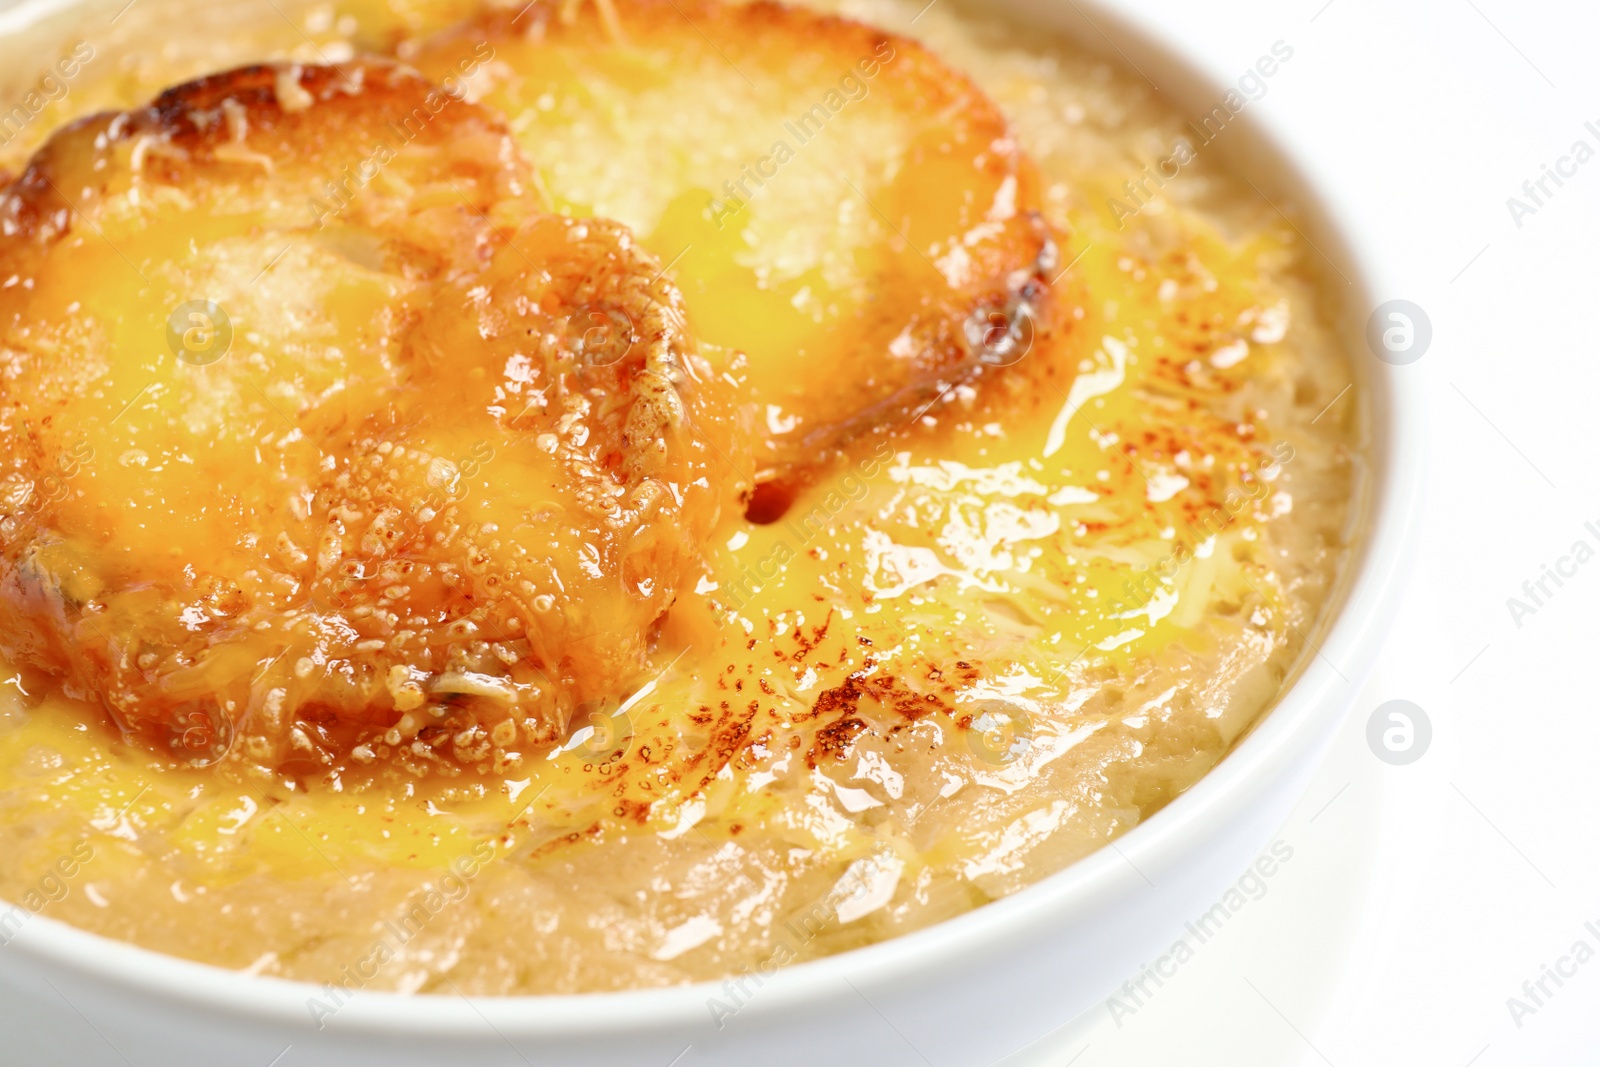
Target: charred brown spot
(770,502)
(834,740)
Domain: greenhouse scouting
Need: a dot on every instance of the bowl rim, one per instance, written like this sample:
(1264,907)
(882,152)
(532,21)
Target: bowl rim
(1372,587)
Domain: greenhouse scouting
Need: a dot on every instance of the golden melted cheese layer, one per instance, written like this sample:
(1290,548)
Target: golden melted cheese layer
(969,655)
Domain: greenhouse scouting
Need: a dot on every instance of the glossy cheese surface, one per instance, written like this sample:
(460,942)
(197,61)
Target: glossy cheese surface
(976,646)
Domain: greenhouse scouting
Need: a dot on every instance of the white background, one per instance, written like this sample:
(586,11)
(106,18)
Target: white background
(1421,897)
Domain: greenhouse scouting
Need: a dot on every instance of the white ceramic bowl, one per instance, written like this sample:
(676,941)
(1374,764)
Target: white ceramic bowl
(966,992)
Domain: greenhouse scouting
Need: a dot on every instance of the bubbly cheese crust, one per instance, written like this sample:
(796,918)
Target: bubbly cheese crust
(969,652)
(842,208)
(327,444)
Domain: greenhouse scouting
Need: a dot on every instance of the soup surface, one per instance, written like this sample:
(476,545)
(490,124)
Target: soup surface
(969,651)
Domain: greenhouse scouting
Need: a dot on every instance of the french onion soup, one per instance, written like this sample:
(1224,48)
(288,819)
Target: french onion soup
(600,495)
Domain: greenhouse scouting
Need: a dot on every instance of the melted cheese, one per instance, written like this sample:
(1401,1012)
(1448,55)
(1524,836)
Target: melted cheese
(967,655)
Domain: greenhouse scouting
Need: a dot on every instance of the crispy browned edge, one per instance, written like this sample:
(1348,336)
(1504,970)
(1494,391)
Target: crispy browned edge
(931,86)
(188,116)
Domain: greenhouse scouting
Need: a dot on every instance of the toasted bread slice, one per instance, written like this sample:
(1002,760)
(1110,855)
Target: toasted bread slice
(323,442)
(835,203)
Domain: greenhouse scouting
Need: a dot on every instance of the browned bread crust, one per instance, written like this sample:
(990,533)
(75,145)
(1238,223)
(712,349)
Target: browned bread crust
(436,495)
(955,262)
